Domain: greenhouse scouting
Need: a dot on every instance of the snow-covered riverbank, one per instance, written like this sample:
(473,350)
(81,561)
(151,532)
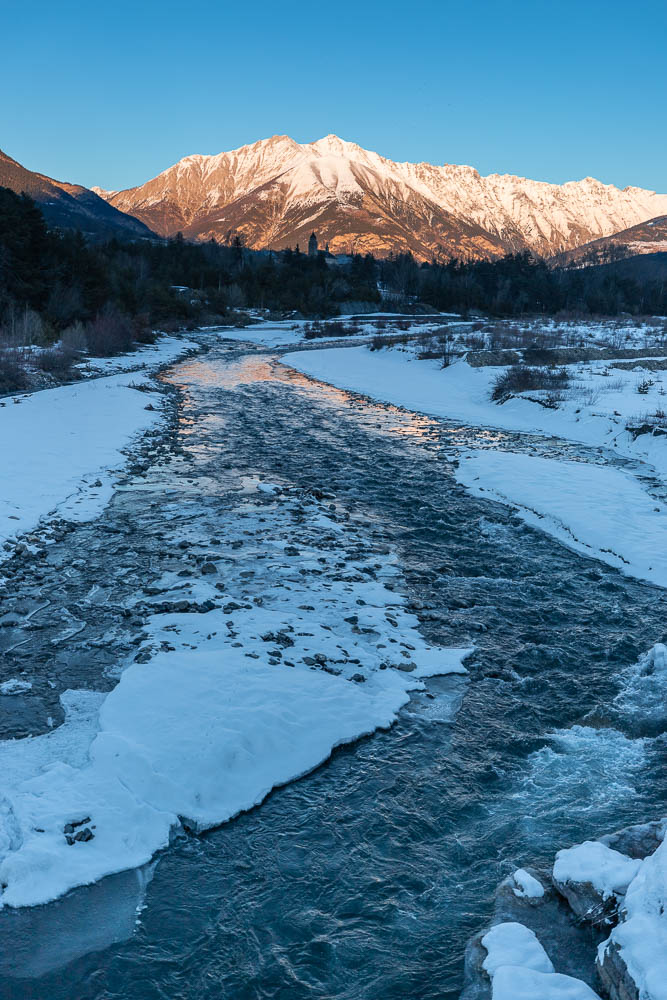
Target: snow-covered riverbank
(599,510)
(60,446)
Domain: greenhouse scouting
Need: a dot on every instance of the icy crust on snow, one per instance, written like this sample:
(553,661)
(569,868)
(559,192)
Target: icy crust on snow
(597,510)
(220,708)
(59,445)
(607,870)
(520,968)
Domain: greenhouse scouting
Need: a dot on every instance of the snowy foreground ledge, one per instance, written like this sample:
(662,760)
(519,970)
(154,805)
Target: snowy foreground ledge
(59,446)
(520,969)
(207,720)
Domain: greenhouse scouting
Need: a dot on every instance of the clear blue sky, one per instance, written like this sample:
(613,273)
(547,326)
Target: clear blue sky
(111,93)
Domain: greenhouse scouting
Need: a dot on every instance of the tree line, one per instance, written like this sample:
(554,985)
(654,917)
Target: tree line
(521,284)
(59,280)
(54,283)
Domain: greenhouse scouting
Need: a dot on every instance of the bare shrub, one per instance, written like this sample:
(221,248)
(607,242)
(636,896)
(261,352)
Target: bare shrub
(110,333)
(57,361)
(334,328)
(312,330)
(474,342)
(379,342)
(521,378)
(23,328)
(13,375)
(74,338)
(587,395)
(143,331)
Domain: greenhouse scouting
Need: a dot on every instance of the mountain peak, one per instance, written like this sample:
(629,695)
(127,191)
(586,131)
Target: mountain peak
(276,191)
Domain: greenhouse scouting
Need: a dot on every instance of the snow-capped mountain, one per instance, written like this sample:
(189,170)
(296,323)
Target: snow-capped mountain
(276,191)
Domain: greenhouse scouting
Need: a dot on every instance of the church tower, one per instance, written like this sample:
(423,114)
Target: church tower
(312,245)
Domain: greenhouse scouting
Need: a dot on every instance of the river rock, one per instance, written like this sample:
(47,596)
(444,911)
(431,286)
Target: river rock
(617,982)
(570,946)
(637,841)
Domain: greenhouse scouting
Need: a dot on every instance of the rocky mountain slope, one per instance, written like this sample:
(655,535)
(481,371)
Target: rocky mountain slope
(645,238)
(276,191)
(70,206)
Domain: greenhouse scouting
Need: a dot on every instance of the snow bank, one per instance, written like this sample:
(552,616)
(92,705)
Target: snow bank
(147,357)
(58,446)
(642,935)
(520,968)
(596,510)
(514,944)
(607,870)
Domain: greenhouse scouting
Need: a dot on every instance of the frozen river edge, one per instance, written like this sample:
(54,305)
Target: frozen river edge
(602,512)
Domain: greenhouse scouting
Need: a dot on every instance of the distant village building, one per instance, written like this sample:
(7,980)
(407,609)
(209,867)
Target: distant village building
(312,245)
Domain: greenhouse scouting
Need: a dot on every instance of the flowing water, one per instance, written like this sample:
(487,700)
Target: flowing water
(364,879)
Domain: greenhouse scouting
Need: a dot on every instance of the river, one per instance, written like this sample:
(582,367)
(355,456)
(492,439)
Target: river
(364,879)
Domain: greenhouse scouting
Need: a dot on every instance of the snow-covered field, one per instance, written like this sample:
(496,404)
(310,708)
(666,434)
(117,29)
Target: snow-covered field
(60,446)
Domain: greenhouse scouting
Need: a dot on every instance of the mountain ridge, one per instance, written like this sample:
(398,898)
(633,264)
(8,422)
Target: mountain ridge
(649,237)
(275,191)
(70,206)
